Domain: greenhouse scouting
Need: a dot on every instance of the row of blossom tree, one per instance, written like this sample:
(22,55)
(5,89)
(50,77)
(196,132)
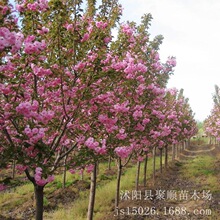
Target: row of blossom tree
(212,122)
(72,92)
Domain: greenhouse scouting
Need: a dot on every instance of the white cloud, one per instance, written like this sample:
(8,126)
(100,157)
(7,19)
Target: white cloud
(191,33)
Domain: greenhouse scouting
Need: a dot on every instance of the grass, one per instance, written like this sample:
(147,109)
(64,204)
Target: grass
(105,196)
(201,170)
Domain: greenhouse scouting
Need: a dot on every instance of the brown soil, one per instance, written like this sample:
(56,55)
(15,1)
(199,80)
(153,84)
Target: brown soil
(54,200)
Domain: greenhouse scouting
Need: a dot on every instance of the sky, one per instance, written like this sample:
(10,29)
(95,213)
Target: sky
(191,31)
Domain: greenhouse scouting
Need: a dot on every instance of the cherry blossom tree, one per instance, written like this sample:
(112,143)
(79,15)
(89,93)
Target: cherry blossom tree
(51,71)
(212,122)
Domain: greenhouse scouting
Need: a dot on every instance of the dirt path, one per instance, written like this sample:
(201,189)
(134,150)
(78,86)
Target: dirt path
(173,196)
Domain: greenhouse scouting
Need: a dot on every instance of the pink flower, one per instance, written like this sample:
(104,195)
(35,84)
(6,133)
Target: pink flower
(32,7)
(20,8)
(44,30)
(140,158)
(2,187)
(69,27)
(101,24)
(89,168)
(38,177)
(122,152)
(21,168)
(72,171)
(24,108)
(40,71)
(79,66)
(101,150)
(140,90)
(50,178)
(139,127)
(107,39)
(122,107)
(145,121)
(85,37)
(171,61)
(137,114)
(127,30)
(91,143)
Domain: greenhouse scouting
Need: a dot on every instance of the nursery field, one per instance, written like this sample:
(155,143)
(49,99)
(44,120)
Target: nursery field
(188,189)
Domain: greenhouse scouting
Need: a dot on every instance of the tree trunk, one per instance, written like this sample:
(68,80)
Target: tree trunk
(145,170)
(64,172)
(177,151)
(154,164)
(137,175)
(13,169)
(118,183)
(82,175)
(109,162)
(173,152)
(161,160)
(92,193)
(39,197)
(166,157)
(97,168)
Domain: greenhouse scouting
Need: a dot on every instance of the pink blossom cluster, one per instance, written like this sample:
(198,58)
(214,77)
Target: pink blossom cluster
(140,127)
(31,46)
(43,31)
(10,39)
(38,177)
(127,29)
(137,114)
(80,66)
(5,89)
(123,152)
(171,61)
(122,134)
(94,145)
(40,5)
(21,168)
(122,107)
(85,37)
(31,151)
(141,89)
(4,9)
(91,143)
(2,187)
(89,168)
(34,134)
(212,123)
(40,71)
(101,24)
(109,123)
(30,110)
